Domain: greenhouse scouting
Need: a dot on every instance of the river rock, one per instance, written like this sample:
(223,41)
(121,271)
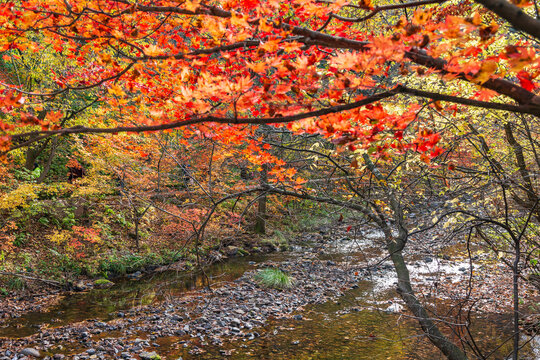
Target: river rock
(135,276)
(231,250)
(149,355)
(31,352)
(103,284)
(80,286)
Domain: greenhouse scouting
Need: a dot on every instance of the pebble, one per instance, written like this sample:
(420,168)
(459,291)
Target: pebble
(232,309)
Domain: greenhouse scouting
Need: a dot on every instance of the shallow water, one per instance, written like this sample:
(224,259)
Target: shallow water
(353,327)
(345,329)
(103,303)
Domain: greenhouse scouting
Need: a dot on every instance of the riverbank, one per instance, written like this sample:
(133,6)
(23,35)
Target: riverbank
(233,310)
(327,265)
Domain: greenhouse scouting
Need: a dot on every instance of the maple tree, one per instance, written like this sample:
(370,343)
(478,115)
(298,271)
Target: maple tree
(311,67)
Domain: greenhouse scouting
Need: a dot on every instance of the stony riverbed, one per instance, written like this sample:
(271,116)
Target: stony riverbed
(203,323)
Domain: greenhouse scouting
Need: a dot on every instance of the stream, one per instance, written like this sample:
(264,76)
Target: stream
(365,323)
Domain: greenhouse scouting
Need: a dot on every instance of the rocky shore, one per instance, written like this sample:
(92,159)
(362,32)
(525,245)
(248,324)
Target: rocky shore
(231,311)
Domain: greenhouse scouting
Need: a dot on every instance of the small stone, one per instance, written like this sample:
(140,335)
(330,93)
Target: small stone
(177,318)
(59,356)
(31,352)
(135,276)
(91,351)
(297,317)
(149,355)
(80,286)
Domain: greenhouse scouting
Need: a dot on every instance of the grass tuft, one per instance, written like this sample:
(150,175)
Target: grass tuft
(274,278)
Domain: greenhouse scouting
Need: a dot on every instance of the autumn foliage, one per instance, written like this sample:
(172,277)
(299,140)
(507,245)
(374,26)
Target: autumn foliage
(315,66)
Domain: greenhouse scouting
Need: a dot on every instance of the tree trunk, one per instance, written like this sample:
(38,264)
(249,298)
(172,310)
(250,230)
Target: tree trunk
(395,246)
(32,153)
(47,166)
(260,223)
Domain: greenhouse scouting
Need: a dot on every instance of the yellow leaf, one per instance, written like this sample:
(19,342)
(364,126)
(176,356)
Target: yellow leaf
(487,69)
(116,90)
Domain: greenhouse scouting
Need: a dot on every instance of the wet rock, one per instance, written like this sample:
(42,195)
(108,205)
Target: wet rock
(232,250)
(135,276)
(297,317)
(80,286)
(91,351)
(59,357)
(394,308)
(30,352)
(177,318)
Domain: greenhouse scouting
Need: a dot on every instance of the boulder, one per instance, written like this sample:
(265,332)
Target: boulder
(31,352)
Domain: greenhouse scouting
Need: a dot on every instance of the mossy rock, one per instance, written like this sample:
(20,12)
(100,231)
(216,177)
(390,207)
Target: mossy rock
(149,356)
(103,284)
(243,252)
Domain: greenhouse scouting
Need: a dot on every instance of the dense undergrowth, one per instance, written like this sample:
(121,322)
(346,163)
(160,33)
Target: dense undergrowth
(53,232)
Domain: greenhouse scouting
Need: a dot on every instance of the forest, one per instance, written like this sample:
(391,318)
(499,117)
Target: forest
(294,179)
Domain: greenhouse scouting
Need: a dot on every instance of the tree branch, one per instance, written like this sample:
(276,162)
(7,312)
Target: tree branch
(514,15)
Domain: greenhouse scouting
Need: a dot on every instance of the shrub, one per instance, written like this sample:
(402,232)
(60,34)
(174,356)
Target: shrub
(274,278)
(15,283)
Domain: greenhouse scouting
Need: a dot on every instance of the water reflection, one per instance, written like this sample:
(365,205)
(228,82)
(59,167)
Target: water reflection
(102,303)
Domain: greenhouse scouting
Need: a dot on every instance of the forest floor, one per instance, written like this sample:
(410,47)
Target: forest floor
(325,265)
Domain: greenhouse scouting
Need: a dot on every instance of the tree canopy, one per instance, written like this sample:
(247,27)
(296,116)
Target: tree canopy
(355,72)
